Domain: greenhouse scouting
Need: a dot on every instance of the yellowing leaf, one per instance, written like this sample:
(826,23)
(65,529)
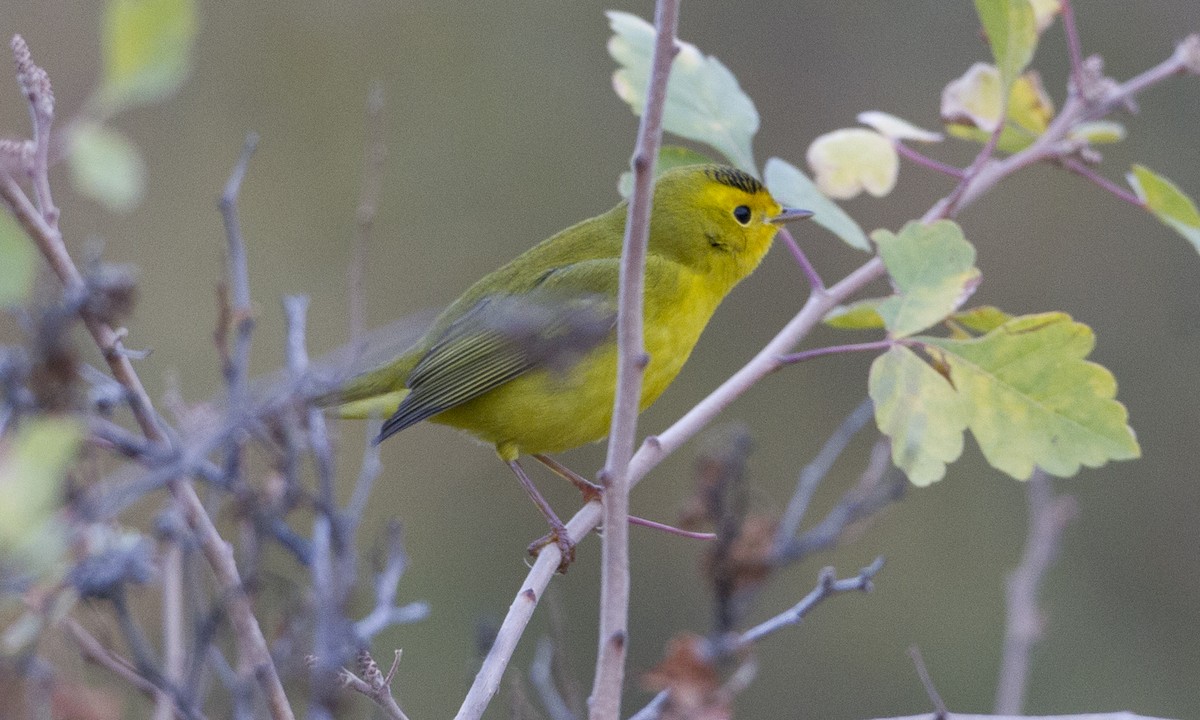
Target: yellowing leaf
(932,268)
(792,188)
(147,50)
(896,128)
(106,166)
(1099,132)
(919,411)
(1011,30)
(1028,104)
(1168,203)
(1044,12)
(848,161)
(19,262)
(860,315)
(974,100)
(704,101)
(1032,399)
(982,319)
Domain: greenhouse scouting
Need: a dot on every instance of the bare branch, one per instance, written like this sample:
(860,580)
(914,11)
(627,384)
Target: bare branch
(1048,517)
(605,703)
(939,705)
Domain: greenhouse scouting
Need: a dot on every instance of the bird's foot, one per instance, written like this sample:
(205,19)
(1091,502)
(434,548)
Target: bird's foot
(559,537)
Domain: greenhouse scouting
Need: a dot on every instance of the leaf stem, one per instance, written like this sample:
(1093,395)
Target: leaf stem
(927,162)
(835,350)
(1099,180)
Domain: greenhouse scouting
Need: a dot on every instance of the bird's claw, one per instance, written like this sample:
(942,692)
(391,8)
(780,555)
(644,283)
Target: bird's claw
(566,547)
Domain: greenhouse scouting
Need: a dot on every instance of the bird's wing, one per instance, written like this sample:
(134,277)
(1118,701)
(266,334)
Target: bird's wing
(569,311)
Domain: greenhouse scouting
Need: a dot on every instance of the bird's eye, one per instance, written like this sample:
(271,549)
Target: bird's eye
(741,213)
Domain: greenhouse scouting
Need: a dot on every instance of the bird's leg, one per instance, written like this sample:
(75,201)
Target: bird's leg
(590,490)
(558,532)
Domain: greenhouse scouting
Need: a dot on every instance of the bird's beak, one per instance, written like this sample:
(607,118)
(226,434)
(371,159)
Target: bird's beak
(790,214)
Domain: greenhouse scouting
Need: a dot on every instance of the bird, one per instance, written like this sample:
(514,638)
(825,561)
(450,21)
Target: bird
(525,359)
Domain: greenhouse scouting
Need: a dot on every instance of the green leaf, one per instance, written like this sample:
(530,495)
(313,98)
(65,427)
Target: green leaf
(147,50)
(859,315)
(792,188)
(932,269)
(1168,203)
(982,319)
(704,101)
(1033,400)
(19,262)
(106,166)
(669,157)
(32,470)
(919,411)
(1011,30)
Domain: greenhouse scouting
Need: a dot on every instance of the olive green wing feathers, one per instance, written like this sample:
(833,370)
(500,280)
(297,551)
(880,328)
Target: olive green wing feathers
(568,312)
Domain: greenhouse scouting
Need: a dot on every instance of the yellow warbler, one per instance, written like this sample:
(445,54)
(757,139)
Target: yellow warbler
(526,358)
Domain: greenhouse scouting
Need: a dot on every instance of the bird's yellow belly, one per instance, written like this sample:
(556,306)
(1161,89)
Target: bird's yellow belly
(549,411)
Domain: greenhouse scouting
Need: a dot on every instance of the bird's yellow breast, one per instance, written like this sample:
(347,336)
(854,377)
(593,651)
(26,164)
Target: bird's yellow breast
(549,411)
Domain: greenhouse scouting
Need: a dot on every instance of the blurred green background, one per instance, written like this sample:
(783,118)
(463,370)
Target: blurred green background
(502,128)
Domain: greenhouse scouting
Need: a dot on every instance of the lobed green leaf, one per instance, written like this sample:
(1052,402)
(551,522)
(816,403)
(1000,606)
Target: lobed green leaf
(704,101)
(932,268)
(919,411)
(1033,400)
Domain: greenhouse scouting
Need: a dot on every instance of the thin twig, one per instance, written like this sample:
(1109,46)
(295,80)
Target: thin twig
(815,283)
(375,685)
(172,619)
(605,703)
(240,315)
(1074,47)
(878,487)
(541,676)
(1048,517)
(815,471)
(799,357)
(939,706)
(1102,182)
(925,161)
(827,586)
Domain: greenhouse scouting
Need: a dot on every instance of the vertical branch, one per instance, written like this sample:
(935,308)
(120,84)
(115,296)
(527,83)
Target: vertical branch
(631,363)
(1048,516)
(172,619)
